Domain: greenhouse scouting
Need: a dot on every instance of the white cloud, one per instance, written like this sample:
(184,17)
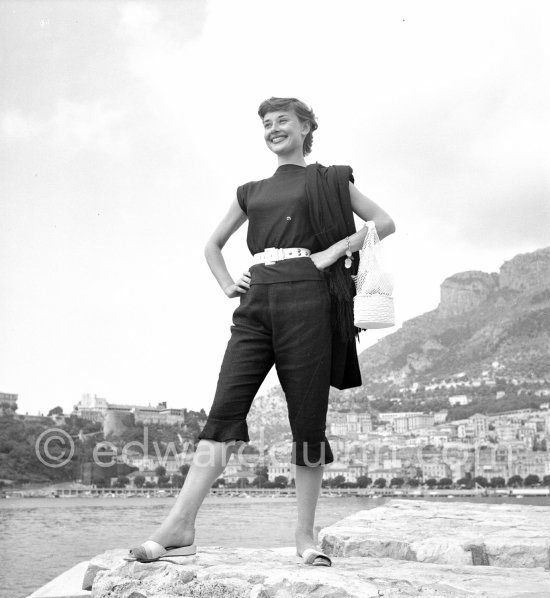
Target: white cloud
(136,18)
(72,127)
(16,126)
(86,125)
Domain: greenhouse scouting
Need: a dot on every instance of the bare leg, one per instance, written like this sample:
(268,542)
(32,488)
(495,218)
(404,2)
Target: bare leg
(308,488)
(209,461)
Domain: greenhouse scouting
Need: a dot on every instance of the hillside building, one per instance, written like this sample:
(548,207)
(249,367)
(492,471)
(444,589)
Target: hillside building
(390,416)
(236,470)
(440,417)
(352,423)
(8,403)
(170,462)
(94,408)
(459,400)
(436,470)
(335,469)
(278,468)
(386,474)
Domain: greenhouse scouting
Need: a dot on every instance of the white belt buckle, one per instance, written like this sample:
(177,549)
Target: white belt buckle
(271,255)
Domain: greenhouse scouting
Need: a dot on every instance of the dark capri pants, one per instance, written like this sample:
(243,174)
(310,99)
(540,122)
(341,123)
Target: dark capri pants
(286,324)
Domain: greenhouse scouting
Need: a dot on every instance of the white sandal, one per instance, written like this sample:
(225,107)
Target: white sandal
(151,551)
(311,556)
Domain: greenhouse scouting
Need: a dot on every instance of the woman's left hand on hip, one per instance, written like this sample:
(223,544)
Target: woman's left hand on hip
(322,259)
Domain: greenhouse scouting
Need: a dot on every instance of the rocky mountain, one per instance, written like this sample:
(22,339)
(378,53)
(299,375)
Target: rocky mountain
(481,318)
(267,419)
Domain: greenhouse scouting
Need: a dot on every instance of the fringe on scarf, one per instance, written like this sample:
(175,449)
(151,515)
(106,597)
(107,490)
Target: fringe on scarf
(342,291)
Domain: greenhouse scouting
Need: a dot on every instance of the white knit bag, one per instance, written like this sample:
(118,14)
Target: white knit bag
(373,303)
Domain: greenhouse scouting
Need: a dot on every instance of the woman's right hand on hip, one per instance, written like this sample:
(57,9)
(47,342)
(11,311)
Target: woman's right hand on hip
(240,287)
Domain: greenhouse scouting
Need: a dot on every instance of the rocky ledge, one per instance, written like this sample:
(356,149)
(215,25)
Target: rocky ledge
(464,533)
(278,573)
(404,548)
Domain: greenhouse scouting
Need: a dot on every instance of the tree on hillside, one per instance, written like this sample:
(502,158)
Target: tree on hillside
(336,481)
(531,480)
(280,481)
(348,485)
(177,480)
(397,482)
(261,470)
(479,479)
(261,476)
(123,469)
(8,410)
(163,481)
(363,481)
(139,480)
(515,481)
(55,411)
(19,457)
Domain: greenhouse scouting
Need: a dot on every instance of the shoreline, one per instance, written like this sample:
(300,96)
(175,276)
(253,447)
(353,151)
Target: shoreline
(103,493)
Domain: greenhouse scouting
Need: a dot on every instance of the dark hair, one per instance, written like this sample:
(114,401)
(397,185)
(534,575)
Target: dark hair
(303,112)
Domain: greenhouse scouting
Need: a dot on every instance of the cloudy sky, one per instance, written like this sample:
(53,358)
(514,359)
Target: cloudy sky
(126,127)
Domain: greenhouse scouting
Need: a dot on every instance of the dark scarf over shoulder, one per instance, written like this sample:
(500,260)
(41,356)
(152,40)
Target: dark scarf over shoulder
(327,190)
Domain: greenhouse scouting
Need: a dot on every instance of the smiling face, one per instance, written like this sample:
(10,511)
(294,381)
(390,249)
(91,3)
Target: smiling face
(284,133)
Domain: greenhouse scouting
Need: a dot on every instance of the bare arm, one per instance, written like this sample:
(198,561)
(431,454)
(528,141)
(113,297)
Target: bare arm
(366,209)
(231,222)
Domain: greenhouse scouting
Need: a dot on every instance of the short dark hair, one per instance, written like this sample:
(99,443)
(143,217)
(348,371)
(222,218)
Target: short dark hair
(303,112)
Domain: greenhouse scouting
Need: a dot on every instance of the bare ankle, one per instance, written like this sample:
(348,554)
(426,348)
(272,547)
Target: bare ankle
(186,522)
(303,531)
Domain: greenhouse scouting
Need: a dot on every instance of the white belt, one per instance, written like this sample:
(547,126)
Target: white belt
(276,254)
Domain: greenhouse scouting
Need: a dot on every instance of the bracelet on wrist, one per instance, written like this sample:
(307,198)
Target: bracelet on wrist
(349,256)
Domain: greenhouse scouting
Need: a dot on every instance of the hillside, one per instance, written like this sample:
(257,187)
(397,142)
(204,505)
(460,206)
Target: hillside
(481,318)
(23,456)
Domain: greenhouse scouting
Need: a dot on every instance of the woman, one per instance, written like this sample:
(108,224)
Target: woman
(295,311)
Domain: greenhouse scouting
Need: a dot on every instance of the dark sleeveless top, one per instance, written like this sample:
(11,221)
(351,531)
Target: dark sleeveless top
(278,216)
(330,215)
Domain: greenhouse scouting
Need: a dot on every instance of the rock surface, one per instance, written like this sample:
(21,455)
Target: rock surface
(464,291)
(278,573)
(526,271)
(500,535)
(404,548)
